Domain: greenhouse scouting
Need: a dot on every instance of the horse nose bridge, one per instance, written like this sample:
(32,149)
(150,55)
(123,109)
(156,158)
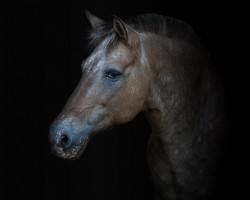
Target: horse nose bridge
(75,112)
(82,96)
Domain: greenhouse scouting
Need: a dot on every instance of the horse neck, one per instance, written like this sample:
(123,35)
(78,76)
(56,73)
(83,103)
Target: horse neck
(175,92)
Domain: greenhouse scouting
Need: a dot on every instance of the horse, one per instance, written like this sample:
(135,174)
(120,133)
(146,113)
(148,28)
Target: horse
(155,65)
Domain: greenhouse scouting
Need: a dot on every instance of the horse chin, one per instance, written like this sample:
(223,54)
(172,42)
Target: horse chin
(71,153)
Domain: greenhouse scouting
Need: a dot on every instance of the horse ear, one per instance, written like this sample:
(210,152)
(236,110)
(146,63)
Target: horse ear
(124,31)
(120,28)
(94,21)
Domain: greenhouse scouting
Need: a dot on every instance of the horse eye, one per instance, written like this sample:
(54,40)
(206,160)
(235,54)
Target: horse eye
(112,74)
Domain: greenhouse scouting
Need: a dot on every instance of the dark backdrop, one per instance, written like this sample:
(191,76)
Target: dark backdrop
(45,47)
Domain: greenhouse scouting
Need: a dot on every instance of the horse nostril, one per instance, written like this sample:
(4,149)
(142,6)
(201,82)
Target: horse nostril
(63,141)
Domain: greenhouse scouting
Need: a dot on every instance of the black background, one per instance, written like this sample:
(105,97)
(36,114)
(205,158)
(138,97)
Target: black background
(45,46)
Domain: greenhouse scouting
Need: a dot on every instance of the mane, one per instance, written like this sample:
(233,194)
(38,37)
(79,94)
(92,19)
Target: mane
(165,26)
(148,23)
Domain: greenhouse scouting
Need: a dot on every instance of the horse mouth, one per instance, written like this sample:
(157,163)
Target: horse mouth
(72,152)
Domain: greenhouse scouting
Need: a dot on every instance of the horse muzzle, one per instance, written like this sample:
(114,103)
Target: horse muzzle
(64,147)
(69,135)
(68,142)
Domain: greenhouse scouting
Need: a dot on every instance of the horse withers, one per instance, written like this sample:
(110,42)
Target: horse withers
(155,65)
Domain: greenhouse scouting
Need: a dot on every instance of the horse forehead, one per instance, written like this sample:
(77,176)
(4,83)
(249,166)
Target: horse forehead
(94,59)
(120,54)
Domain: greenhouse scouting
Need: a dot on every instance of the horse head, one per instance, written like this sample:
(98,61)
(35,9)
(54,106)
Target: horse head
(113,88)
